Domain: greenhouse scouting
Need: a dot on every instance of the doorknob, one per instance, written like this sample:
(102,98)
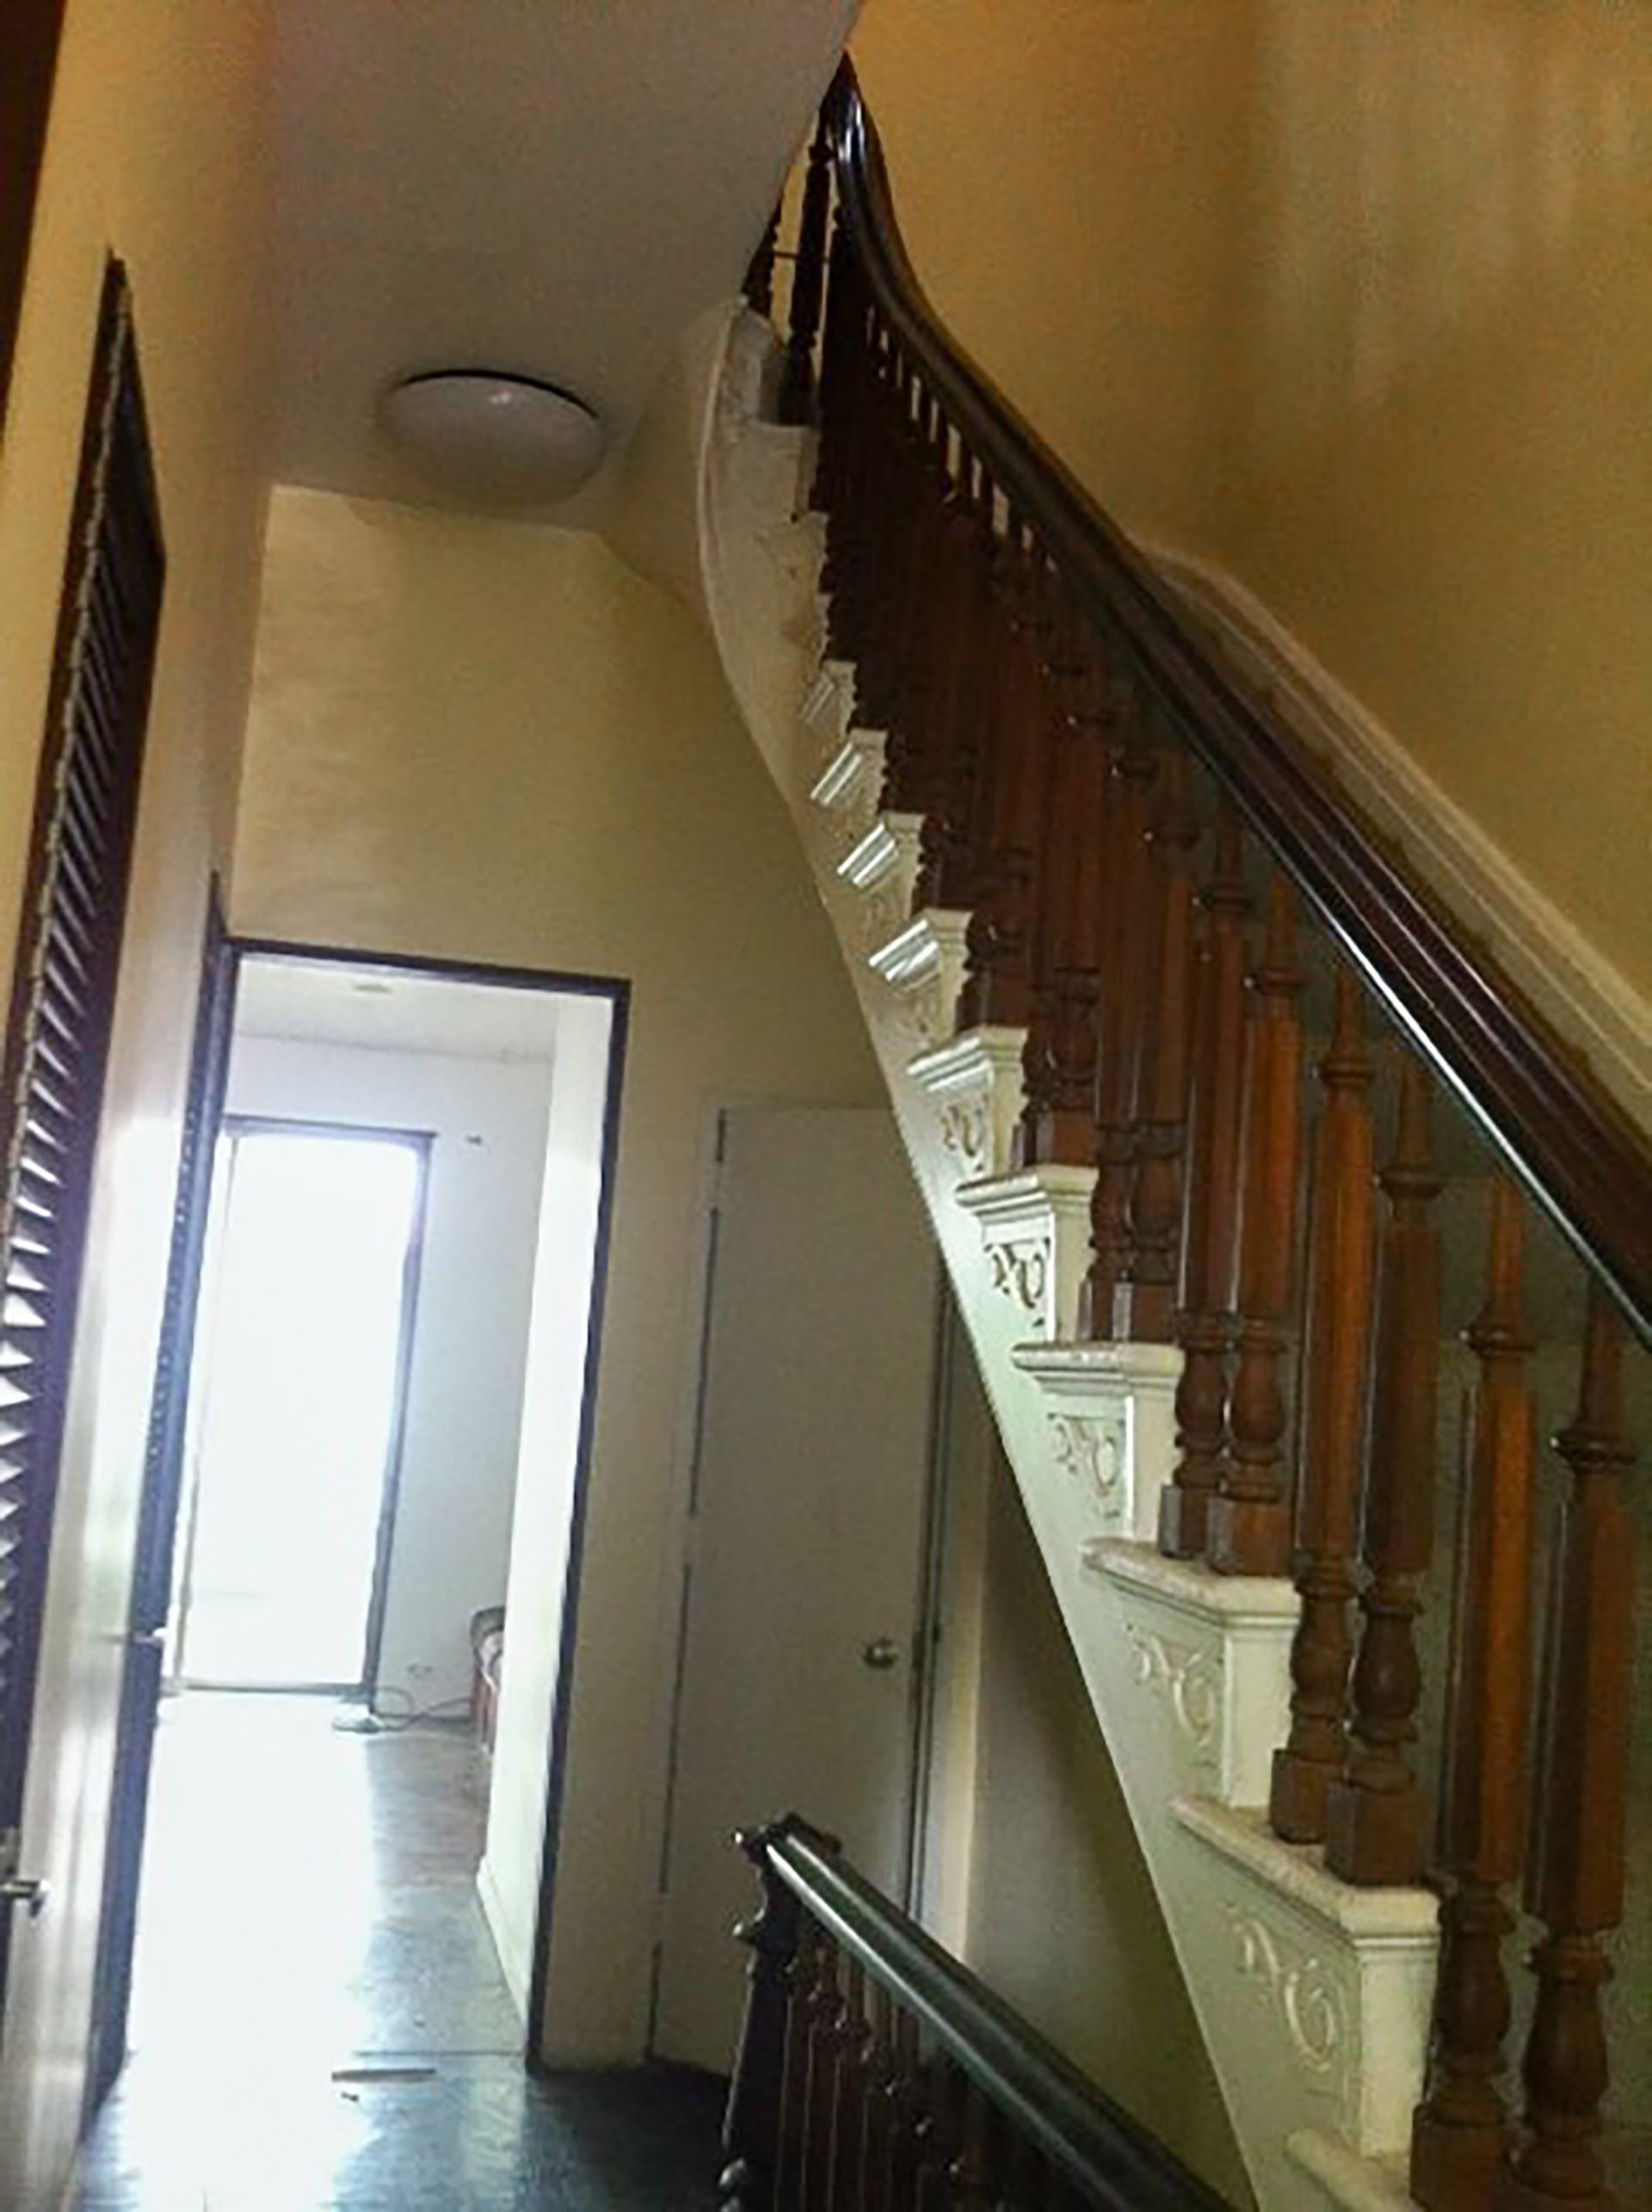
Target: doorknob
(880,1655)
(24,1890)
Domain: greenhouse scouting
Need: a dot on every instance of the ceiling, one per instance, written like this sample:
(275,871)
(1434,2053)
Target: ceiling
(392,1009)
(553,187)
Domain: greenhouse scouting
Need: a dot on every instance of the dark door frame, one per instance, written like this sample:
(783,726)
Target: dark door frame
(419,1143)
(152,1584)
(164,1463)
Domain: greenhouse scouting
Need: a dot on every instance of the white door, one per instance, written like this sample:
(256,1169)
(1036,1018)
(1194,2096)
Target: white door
(802,1590)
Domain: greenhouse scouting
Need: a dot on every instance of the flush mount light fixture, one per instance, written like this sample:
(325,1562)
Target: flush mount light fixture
(483,435)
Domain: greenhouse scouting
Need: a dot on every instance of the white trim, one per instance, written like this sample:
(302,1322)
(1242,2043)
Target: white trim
(1592,1003)
(507,1949)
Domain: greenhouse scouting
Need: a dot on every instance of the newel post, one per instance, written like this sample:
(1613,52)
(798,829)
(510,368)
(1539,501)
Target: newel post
(751,2120)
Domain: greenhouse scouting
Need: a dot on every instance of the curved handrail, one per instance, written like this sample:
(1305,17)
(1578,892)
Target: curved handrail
(1582,1157)
(1115,2162)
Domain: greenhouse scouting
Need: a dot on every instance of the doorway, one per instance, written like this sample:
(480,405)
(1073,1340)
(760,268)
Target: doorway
(802,1653)
(385,1273)
(298,1393)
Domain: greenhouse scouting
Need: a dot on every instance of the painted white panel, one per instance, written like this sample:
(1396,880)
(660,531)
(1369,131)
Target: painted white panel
(541,1526)
(451,1534)
(811,1479)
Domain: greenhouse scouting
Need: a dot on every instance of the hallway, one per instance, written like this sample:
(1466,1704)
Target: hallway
(319,2020)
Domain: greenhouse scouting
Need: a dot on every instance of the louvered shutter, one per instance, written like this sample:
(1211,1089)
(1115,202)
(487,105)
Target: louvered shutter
(68,943)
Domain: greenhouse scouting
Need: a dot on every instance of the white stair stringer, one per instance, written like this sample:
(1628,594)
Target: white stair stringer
(1312,1996)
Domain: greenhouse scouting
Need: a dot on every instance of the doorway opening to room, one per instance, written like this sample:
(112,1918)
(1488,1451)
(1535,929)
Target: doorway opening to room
(336,1792)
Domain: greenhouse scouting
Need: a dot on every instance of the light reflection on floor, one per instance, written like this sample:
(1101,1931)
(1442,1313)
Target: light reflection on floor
(309,1910)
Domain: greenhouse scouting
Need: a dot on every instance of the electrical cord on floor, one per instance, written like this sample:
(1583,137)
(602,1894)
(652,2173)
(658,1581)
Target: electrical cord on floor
(366,1721)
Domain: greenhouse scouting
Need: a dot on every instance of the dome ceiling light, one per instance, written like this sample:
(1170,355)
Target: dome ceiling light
(483,435)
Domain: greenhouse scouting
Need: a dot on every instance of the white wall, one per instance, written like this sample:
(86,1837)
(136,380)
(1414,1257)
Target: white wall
(482,741)
(542,1527)
(452,1536)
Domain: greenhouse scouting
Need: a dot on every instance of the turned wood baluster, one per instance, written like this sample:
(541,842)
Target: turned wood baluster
(1058,854)
(970,2173)
(1462,2127)
(913,602)
(1059,1123)
(1205,1322)
(1144,1300)
(754,2115)
(808,283)
(857,546)
(998,583)
(879,600)
(1374,1814)
(818,2069)
(1250,1516)
(852,2036)
(1574,1872)
(790,2168)
(937,2135)
(948,652)
(999,987)
(845,375)
(1025,2182)
(838,489)
(951,850)
(870,2192)
(1129,955)
(1334,1369)
(907,2124)
(934,635)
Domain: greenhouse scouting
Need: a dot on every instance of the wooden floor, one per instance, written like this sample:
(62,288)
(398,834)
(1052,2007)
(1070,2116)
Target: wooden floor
(319,2019)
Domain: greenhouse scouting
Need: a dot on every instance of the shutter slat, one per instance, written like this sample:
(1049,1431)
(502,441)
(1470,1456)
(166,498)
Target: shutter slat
(86,807)
(77,885)
(73,923)
(67,950)
(82,849)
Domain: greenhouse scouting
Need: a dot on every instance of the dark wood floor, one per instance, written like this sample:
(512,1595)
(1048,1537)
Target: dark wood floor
(319,2019)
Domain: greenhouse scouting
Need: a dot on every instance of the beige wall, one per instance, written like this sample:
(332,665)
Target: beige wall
(1062,1919)
(1443,464)
(1355,301)
(494,742)
(153,151)
(1066,177)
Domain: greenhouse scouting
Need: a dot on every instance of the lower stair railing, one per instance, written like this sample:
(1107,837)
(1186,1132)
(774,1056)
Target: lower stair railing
(875,2074)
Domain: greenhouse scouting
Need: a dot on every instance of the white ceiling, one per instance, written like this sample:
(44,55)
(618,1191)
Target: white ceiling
(553,188)
(393,1010)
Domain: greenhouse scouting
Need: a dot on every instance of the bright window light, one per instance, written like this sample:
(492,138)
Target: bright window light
(300,1387)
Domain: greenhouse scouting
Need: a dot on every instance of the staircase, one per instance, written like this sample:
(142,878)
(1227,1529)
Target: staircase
(1226,1132)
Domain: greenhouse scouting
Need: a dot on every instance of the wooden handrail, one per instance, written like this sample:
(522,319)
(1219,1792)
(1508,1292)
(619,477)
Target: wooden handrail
(1107,2160)
(1581,1156)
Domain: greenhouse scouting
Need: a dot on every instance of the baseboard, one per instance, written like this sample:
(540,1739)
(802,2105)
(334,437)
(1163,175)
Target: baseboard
(1592,1005)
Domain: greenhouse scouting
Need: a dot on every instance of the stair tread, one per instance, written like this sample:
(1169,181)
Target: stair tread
(1297,1871)
(1189,1585)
